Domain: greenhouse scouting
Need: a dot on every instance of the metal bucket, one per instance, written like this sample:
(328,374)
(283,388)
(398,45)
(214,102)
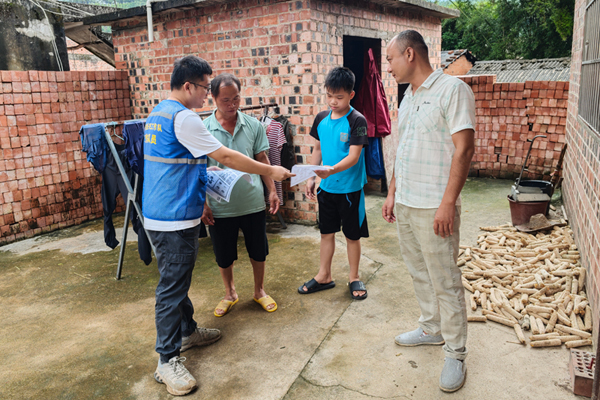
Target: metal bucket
(521,212)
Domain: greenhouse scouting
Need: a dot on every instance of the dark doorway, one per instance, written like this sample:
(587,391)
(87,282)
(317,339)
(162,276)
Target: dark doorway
(355,51)
(355,54)
(401,89)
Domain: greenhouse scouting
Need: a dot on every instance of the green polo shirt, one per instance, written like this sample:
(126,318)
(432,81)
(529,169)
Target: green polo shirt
(249,138)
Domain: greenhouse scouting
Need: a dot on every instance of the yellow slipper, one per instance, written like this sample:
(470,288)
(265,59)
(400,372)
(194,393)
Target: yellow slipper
(265,302)
(225,305)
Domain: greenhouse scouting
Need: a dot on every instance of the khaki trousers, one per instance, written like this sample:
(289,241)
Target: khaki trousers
(431,261)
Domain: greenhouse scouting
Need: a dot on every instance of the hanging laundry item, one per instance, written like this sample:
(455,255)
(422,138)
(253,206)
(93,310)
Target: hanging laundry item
(374,159)
(93,143)
(371,100)
(133,131)
(288,157)
(276,140)
(112,185)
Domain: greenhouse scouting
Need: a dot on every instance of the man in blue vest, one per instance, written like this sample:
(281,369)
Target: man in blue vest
(176,146)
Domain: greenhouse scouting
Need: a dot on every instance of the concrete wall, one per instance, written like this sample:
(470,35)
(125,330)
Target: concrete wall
(26,37)
(281,51)
(581,187)
(45,181)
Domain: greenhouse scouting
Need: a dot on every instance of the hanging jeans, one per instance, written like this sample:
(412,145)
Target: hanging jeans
(93,143)
(112,185)
(133,132)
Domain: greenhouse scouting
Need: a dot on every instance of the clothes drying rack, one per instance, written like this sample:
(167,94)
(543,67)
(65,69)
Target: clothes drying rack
(133,190)
(131,196)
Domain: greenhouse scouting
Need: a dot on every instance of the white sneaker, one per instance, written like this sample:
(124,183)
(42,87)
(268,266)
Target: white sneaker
(177,378)
(200,337)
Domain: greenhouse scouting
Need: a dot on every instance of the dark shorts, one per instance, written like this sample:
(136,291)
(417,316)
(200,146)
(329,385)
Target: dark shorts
(224,235)
(345,210)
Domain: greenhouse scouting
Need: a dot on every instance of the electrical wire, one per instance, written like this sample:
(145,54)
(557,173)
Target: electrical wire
(65,9)
(56,53)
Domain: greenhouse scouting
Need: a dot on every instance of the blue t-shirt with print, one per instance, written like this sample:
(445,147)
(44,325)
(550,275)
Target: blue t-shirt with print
(336,137)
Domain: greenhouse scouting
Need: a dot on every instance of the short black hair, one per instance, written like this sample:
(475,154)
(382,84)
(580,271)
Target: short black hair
(413,39)
(226,80)
(340,78)
(189,69)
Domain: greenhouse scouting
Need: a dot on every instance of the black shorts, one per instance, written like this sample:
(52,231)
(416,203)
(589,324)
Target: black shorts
(224,235)
(346,210)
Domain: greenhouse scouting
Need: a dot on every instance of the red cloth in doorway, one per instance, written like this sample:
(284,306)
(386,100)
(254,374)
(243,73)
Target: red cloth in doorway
(371,100)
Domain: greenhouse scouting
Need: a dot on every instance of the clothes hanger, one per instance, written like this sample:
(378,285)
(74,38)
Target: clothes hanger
(114,129)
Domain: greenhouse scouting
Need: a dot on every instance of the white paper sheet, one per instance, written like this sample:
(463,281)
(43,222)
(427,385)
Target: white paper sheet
(220,183)
(303,172)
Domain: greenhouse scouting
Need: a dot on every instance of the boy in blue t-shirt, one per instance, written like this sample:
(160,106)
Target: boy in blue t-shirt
(340,136)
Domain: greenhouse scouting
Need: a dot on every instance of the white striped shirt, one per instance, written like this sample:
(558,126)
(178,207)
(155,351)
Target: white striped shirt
(441,106)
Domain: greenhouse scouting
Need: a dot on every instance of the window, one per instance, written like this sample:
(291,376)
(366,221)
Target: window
(589,88)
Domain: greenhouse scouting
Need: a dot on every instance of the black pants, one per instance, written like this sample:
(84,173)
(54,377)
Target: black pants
(176,254)
(112,185)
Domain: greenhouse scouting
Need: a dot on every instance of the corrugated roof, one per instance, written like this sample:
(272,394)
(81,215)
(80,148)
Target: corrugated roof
(549,69)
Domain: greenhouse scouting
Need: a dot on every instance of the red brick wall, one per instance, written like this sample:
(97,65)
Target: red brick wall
(459,67)
(280,50)
(581,187)
(45,181)
(510,113)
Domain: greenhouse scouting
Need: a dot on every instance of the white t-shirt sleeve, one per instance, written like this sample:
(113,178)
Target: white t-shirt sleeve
(191,132)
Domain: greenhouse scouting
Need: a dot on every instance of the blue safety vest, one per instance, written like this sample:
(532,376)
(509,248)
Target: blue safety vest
(174,180)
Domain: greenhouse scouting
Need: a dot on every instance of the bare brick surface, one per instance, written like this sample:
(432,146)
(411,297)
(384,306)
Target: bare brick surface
(45,181)
(459,67)
(510,113)
(80,59)
(581,188)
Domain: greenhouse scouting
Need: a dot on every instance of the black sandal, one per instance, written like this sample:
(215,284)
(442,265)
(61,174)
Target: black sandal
(314,286)
(357,286)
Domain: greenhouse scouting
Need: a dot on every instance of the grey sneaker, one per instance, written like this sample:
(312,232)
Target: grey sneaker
(200,337)
(417,338)
(453,375)
(177,378)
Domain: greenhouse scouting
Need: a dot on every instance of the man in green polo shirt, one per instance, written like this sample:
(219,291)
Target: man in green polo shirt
(246,207)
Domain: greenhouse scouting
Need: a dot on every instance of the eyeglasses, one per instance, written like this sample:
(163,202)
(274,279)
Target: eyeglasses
(207,88)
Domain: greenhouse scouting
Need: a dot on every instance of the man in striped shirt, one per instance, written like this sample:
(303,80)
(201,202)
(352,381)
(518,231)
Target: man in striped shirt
(436,122)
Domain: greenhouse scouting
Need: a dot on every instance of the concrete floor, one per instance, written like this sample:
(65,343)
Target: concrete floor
(68,330)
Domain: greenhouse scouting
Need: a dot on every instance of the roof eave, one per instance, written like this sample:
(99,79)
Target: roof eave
(157,7)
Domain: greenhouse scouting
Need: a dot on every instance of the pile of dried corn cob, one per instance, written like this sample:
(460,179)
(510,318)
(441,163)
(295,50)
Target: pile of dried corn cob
(529,282)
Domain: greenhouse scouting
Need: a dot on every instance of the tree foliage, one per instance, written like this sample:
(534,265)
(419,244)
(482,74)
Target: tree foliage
(511,29)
